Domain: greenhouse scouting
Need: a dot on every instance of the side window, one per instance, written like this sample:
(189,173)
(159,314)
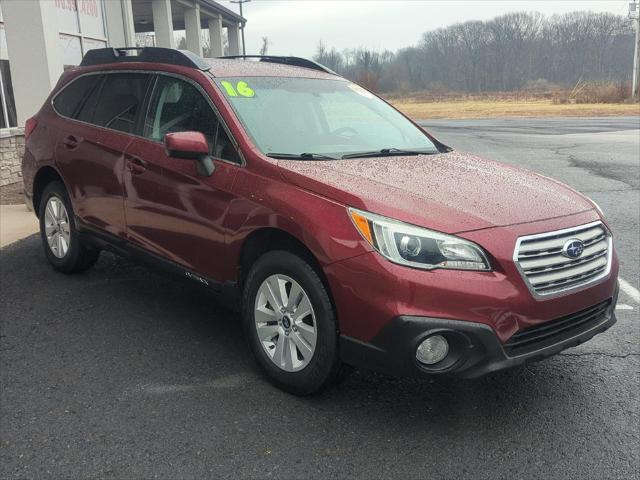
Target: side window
(224,147)
(118,102)
(88,105)
(178,106)
(69,99)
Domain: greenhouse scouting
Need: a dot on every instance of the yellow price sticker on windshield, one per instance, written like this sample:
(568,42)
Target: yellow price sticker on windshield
(245,90)
(241,88)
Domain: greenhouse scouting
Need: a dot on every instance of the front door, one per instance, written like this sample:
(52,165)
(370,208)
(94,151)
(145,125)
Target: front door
(171,210)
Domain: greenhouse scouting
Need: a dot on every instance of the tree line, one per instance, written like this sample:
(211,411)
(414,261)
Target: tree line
(509,52)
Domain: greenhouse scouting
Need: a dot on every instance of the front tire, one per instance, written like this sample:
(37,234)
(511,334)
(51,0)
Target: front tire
(290,323)
(62,246)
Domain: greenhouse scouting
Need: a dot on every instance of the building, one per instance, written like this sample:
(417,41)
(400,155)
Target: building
(41,38)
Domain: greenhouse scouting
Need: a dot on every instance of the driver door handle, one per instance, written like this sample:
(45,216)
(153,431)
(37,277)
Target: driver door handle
(70,142)
(136,165)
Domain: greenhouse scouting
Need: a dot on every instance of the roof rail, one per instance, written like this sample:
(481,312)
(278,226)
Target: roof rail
(293,61)
(184,58)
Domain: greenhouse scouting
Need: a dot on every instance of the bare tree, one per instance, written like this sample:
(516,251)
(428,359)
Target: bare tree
(265,46)
(330,58)
(504,53)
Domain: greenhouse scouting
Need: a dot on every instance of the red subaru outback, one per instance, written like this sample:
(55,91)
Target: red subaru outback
(344,232)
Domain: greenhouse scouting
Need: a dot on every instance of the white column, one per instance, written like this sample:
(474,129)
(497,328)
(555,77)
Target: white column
(163,23)
(192,29)
(120,28)
(215,37)
(33,49)
(233,32)
(635,91)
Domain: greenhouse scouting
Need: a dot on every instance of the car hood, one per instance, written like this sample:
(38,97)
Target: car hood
(451,192)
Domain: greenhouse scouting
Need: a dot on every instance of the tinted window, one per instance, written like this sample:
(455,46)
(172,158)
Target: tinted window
(88,105)
(224,147)
(118,102)
(178,106)
(68,100)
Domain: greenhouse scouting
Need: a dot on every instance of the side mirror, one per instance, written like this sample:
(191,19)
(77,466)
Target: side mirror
(190,145)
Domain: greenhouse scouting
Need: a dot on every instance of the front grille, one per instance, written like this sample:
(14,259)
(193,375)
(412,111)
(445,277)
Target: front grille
(547,271)
(549,333)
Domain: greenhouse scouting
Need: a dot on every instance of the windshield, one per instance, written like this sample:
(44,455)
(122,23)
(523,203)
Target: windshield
(319,119)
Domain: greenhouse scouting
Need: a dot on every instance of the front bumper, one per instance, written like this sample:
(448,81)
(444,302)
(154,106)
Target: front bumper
(369,291)
(475,349)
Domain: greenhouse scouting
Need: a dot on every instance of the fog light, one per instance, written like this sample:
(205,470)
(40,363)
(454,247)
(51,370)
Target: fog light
(432,350)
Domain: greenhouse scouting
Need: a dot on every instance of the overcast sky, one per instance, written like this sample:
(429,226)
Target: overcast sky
(294,27)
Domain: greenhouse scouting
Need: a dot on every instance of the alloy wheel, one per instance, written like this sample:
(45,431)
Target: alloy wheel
(285,322)
(56,226)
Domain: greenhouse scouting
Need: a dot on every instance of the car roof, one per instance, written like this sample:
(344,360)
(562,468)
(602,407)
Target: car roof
(231,66)
(224,67)
(219,68)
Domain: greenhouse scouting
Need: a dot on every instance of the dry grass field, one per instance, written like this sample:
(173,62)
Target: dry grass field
(584,100)
(486,108)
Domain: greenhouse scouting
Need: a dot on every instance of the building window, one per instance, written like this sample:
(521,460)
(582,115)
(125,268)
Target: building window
(81,26)
(7,105)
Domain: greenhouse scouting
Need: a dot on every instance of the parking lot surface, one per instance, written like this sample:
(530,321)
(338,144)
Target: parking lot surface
(125,372)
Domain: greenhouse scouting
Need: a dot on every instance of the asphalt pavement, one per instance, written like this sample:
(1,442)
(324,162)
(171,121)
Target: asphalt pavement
(126,372)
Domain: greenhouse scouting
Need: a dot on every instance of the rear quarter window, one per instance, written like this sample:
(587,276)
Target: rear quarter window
(66,102)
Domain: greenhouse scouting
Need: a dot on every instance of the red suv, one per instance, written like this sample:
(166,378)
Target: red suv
(343,232)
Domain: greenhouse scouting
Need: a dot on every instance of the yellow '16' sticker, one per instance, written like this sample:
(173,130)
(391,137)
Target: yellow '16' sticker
(241,88)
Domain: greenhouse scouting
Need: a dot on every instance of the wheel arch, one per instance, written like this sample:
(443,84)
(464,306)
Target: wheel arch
(266,239)
(44,177)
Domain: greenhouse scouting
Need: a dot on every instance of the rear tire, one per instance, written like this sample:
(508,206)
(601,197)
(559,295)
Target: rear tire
(295,341)
(62,245)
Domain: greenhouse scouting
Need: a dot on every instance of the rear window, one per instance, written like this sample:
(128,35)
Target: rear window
(68,100)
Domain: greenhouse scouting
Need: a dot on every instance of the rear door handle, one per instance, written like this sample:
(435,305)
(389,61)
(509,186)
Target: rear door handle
(136,165)
(71,142)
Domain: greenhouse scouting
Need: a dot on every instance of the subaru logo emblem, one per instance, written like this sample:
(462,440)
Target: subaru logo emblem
(573,248)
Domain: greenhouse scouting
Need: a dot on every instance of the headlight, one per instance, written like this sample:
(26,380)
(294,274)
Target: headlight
(418,247)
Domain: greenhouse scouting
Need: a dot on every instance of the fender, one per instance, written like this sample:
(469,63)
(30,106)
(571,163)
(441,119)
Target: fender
(265,203)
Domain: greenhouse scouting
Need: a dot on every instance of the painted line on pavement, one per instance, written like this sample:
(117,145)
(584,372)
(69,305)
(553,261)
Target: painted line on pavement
(629,290)
(623,307)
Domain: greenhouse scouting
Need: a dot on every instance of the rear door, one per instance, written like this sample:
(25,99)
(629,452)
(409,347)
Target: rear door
(90,149)
(171,210)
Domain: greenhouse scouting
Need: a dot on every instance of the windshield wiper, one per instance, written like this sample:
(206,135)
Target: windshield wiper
(387,152)
(300,156)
